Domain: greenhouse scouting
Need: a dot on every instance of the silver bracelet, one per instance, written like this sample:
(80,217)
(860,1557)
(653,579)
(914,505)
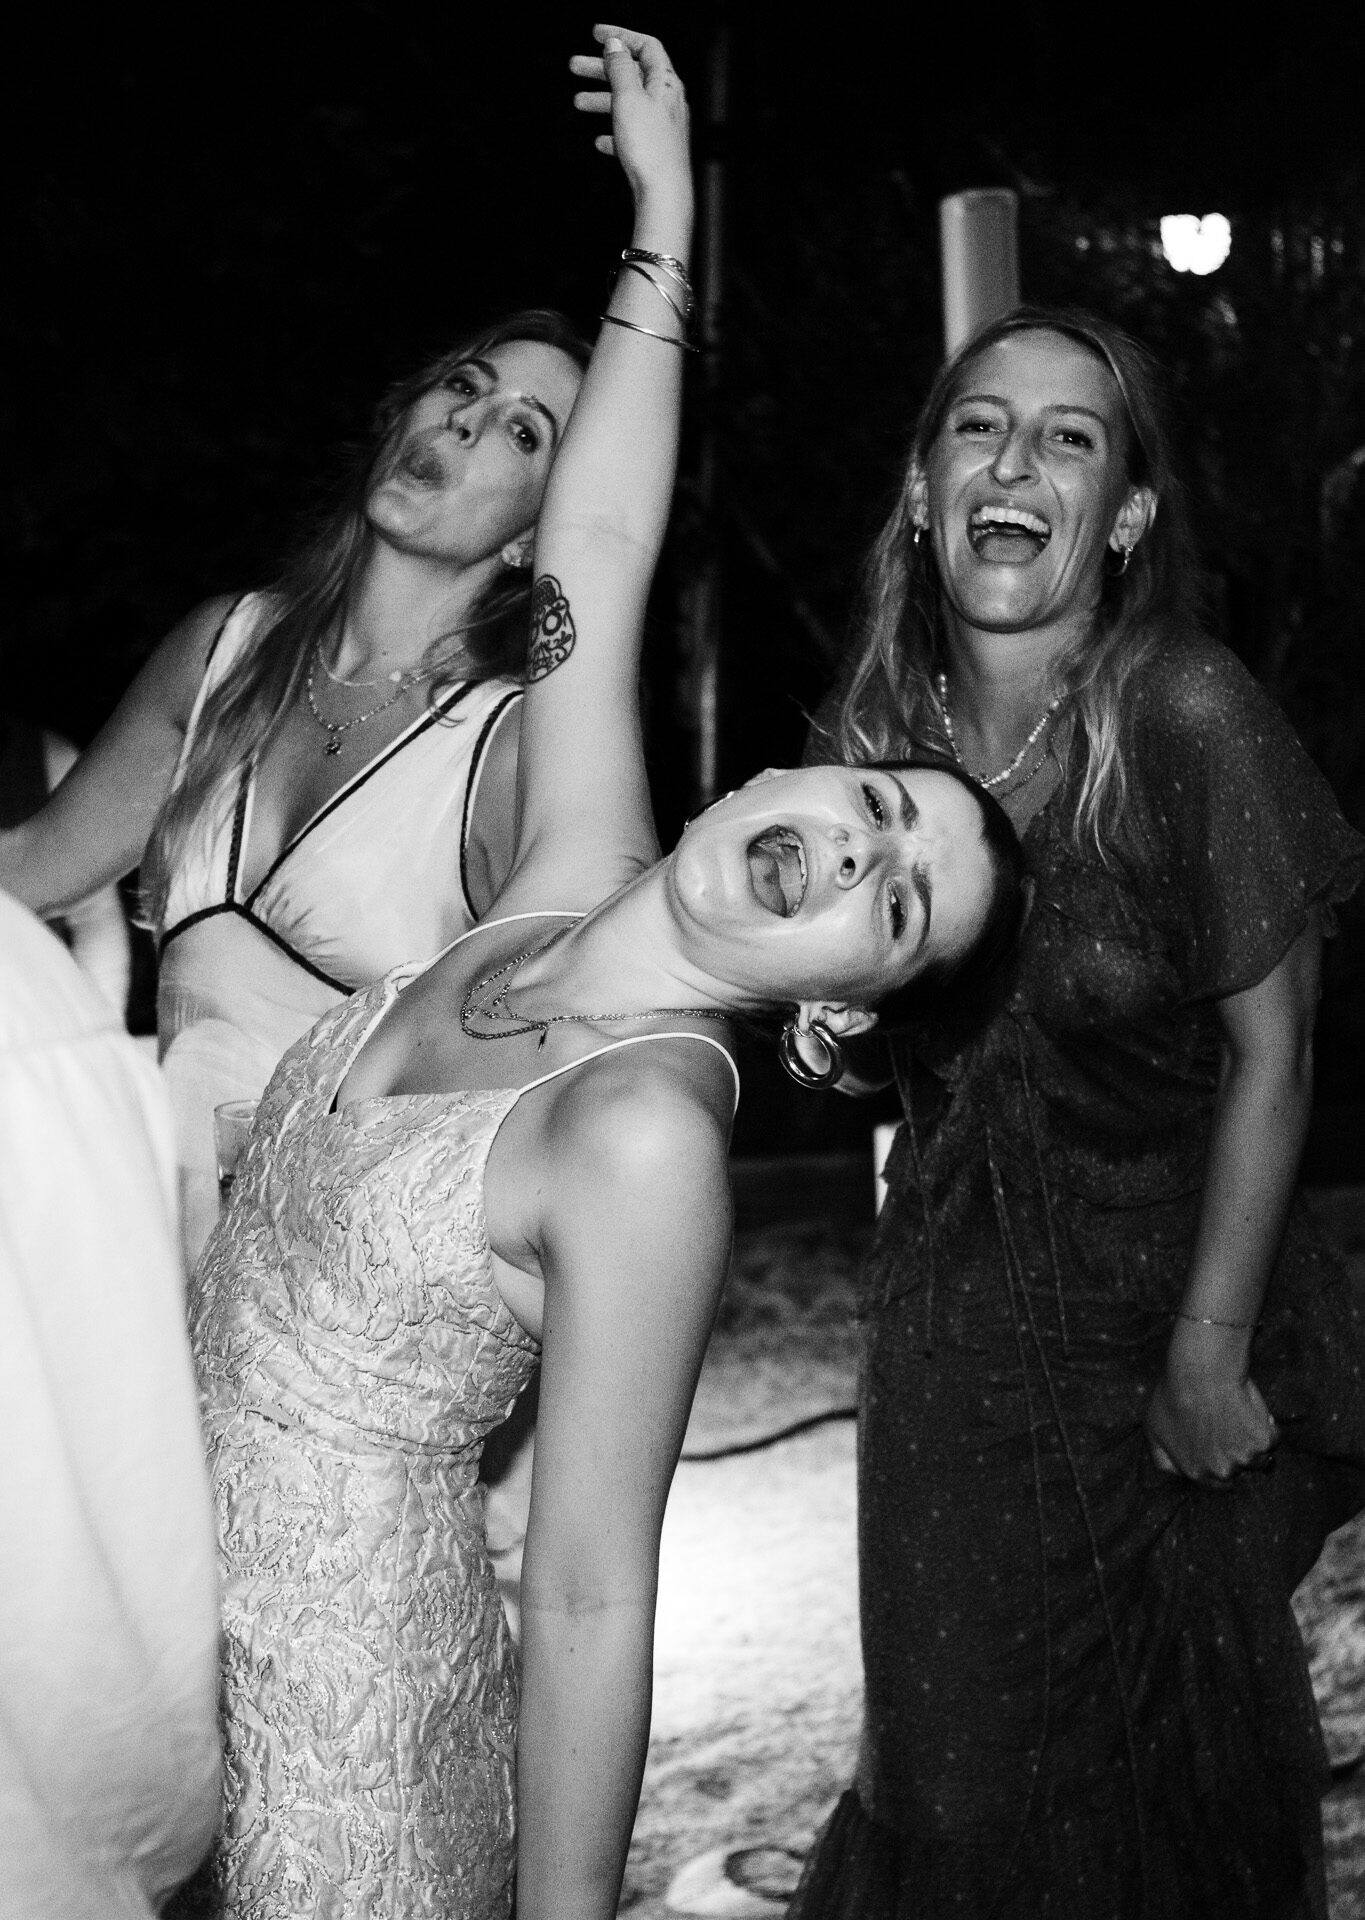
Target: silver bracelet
(633,266)
(667,338)
(669,262)
(1207,1320)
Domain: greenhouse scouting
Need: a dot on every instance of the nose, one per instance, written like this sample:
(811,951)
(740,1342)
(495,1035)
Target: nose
(464,421)
(1014,459)
(852,856)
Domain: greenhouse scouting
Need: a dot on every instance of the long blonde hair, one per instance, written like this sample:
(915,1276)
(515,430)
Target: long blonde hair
(887,702)
(311,599)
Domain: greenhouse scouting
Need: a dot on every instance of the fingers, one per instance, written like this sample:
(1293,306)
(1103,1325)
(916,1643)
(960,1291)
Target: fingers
(654,65)
(592,102)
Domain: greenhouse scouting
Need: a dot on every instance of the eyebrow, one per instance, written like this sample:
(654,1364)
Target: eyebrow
(919,879)
(490,372)
(1060,406)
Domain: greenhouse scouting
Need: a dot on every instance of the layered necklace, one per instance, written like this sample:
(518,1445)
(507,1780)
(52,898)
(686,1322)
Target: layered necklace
(487,1001)
(1005,773)
(337,729)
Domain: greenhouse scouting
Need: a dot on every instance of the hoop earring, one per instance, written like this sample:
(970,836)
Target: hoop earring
(801,1073)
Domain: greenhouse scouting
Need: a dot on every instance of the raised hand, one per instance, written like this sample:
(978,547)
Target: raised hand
(637,86)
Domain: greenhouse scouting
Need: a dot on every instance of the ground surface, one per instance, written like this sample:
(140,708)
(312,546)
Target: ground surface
(757,1673)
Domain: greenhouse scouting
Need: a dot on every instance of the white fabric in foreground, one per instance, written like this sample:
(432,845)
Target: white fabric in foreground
(108,1616)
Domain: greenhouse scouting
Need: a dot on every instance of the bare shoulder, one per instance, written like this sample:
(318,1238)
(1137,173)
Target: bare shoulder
(172,674)
(648,1117)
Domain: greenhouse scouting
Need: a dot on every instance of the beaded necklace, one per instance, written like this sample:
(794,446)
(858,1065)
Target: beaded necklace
(1005,773)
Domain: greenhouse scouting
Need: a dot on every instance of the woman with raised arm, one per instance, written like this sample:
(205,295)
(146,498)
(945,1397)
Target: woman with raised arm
(1112,1383)
(519,1149)
(318,779)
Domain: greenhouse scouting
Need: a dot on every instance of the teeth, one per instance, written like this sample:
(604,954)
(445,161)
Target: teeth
(779,842)
(1010,517)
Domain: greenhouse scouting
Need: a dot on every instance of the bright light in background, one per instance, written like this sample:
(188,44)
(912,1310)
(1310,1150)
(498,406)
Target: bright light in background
(1192,245)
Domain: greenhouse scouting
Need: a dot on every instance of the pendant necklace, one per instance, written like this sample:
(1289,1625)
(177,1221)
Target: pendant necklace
(1005,773)
(494,1007)
(335,729)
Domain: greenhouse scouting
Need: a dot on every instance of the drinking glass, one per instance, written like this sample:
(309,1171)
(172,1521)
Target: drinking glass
(231,1128)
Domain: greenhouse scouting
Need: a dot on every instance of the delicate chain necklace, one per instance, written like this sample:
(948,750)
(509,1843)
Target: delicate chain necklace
(996,779)
(334,729)
(495,1007)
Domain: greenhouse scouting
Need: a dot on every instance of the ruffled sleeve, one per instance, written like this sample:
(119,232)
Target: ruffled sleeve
(1250,836)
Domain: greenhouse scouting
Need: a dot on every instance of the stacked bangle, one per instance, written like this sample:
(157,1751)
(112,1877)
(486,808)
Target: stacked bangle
(642,261)
(669,339)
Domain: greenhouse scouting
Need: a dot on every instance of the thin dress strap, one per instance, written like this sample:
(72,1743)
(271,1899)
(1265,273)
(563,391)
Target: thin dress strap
(636,1040)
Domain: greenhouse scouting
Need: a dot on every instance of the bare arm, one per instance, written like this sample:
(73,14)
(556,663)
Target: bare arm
(95,826)
(634,1259)
(1207,1417)
(586,824)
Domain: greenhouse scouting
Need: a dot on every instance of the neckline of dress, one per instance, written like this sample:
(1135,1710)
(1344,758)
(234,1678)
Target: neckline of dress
(419,724)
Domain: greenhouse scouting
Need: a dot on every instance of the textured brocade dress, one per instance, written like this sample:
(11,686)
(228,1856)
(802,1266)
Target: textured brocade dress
(1086,1696)
(353,1354)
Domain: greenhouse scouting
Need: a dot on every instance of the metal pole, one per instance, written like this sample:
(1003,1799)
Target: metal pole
(702,599)
(979,248)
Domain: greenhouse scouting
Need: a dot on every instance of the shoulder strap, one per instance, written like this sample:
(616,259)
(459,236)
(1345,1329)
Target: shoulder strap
(636,1040)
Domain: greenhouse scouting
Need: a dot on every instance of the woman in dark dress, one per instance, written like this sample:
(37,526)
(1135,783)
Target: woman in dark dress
(1096,1312)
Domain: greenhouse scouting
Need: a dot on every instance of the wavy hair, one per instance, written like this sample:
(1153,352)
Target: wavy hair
(310,599)
(886,705)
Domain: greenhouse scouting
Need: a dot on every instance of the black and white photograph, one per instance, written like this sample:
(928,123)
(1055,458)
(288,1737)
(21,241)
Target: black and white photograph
(682,964)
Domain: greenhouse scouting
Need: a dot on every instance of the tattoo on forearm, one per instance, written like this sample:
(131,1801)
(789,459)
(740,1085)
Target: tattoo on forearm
(552,628)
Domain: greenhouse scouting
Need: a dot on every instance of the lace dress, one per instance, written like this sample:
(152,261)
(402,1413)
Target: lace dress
(1086,1696)
(354,1353)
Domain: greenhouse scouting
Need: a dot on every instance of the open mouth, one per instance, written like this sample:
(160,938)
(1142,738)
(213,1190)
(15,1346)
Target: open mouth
(777,870)
(1007,536)
(421,463)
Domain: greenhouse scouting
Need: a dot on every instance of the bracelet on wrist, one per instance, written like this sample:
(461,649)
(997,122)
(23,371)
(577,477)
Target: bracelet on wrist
(684,314)
(1208,1320)
(633,326)
(668,262)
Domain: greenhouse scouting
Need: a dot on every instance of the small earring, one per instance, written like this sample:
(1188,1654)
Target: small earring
(1122,568)
(790,1056)
(516,555)
(917,535)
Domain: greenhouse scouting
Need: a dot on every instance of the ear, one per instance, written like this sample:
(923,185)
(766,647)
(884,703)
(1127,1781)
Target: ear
(1133,519)
(917,498)
(843,1022)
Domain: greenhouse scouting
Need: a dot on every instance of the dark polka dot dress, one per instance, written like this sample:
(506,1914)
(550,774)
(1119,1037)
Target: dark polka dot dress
(1086,1697)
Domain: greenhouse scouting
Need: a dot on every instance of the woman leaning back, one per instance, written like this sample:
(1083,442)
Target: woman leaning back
(318,779)
(521,1147)
(1096,1309)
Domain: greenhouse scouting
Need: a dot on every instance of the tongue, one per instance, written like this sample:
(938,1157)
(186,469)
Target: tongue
(775,870)
(1012,547)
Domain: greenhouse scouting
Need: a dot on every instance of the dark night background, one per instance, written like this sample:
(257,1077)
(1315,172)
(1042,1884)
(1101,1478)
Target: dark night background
(228,229)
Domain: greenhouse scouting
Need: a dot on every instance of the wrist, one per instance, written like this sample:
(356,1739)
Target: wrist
(1198,1350)
(663,219)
